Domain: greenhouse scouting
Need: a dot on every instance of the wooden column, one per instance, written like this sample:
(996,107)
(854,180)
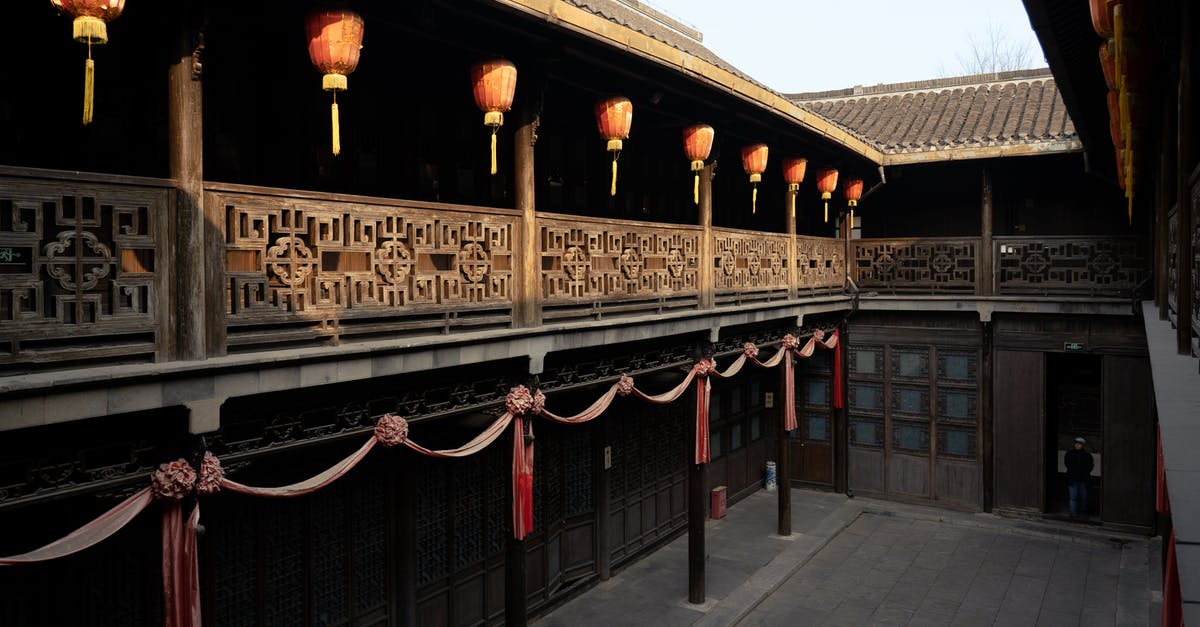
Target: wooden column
(529,290)
(985,279)
(405,533)
(601,437)
(841,429)
(986,418)
(1166,196)
(185,127)
(783,474)
(1183,248)
(793,273)
(695,516)
(706,240)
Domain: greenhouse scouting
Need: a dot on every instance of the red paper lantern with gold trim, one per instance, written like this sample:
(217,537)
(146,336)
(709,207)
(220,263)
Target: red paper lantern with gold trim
(1108,64)
(334,45)
(614,117)
(697,143)
(794,169)
(754,162)
(494,82)
(90,27)
(826,183)
(1102,21)
(852,189)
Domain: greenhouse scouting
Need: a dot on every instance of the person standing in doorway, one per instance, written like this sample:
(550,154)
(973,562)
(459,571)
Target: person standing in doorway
(1079,470)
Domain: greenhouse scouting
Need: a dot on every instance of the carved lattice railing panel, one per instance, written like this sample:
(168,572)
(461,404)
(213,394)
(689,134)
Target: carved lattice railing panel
(916,265)
(820,264)
(592,267)
(747,265)
(77,270)
(1068,265)
(303,268)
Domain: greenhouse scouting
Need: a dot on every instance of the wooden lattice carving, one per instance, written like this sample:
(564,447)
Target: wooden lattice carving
(746,262)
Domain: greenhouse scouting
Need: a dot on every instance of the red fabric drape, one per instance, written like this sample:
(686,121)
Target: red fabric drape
(789,393)
(595,410)
(522,480)
(1172,603)
(703,453)
(180,568)
(478,443)
(838,385)
(91,534)
(308,486)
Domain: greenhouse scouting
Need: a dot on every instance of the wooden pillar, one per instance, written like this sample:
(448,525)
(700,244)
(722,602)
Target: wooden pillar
(601,436)
(783,465)
(405,534)
(841,429)
(1183,257)
(529,290)
(185,127)
(793,271)
(705,271)
(985,278)
(695,517)
(986,418)
(1166,196)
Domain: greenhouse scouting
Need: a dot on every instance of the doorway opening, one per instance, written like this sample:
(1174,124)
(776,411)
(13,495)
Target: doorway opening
(1073,409)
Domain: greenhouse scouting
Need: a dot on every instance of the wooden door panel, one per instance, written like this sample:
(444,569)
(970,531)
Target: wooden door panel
(866,469)
(1128,460)
(959,481)
(816,461)
(1019,426)
(909,475)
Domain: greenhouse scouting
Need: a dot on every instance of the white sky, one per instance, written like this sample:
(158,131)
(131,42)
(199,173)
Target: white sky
(816,45)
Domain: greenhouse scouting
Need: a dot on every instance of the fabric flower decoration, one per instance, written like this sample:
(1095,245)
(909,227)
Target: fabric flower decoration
(173,481)
(391,430)
(211,474)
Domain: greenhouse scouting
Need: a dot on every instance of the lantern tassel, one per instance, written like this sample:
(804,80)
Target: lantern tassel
(851,230)
(494,129)
(613,191)
(89,86)
(792,203)
(754,201)
(696,189)
(826,211)
(337,131)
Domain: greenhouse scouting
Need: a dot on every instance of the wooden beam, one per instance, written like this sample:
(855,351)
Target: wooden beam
(985,278)
(185,128)
(783,472)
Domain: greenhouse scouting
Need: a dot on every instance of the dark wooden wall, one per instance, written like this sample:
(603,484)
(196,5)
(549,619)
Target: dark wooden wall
(1019,425)
(1129,441)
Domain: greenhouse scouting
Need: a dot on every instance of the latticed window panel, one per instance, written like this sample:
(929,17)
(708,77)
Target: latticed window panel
(866,397)
(911,264)
(432,524)
(910,437)
(910,401)
(957,366)
(910,362)
(866,361)
(961,442)
(815,392)
(745,262)
(1069,264)
(956,405)
(866,431)
(816,427)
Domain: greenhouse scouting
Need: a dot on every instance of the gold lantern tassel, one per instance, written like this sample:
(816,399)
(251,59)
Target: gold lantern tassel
(827,211)
(337,131)
(696,189)
(494,130)
(89,86)
(754,201)
(613,191)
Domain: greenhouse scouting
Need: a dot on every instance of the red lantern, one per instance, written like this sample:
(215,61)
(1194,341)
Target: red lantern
(494,82)
(826,183)
(697,143)
(852,189)
(1114,120)
(1102,20)
(754,161)
(1108,63)
(90,27)
(793,172)
(334,44)
(614,116)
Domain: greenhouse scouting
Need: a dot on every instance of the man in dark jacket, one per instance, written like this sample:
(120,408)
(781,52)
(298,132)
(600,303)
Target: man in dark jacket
(1079,468)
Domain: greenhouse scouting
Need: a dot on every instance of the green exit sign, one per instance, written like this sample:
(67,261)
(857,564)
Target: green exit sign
(1072,346)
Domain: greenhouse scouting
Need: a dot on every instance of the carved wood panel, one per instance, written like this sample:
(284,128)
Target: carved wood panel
(748,262)
(1069,264)
(616,261)
(337,268)
(916,264)
(1173,261)
(78,270)
(820,263)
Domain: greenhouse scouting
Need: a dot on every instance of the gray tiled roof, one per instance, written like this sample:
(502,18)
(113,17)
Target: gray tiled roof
(1004,109)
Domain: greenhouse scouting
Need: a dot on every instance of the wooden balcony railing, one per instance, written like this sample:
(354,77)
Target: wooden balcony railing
(930,265)
(88,269)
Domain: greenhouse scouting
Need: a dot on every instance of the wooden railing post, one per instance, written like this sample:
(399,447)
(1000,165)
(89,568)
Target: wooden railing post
(783,466)
(705,274)
(186,314)
(529,288)
(985,269)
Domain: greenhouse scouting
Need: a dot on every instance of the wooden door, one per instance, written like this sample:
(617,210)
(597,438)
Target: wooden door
(1019,402)
(812,441)
(1127,461)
